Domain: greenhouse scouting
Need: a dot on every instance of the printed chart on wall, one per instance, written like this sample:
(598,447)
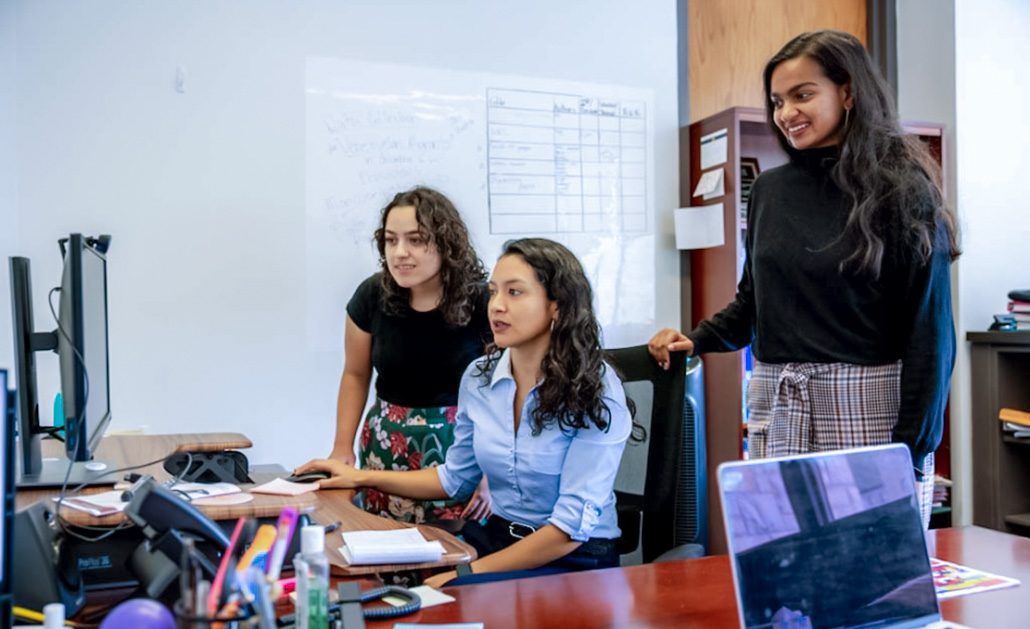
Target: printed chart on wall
(518,156)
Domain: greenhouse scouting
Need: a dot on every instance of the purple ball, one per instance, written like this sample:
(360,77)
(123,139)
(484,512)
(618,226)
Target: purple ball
(138,613)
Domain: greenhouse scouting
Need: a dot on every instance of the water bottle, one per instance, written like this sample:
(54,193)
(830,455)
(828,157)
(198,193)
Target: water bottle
(312,570)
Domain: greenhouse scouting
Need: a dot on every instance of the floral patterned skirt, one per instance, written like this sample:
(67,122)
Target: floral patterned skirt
(402,438)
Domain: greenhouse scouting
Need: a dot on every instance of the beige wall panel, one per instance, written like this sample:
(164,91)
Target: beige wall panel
(730,41)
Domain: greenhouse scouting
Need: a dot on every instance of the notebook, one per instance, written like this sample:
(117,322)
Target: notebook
(829,540)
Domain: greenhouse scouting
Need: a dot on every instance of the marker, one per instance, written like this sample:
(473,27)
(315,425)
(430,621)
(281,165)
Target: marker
(257,554)
(214,595)
(286,524)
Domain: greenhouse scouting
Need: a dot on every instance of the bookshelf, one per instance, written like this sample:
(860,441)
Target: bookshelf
(1000,368)
(714,273)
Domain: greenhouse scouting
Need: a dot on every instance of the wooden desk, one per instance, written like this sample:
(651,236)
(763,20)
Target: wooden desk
(127,450)
(324,507)
(698,593)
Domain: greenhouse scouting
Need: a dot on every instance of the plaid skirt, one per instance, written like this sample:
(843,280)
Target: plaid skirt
(403,438)
(796,408)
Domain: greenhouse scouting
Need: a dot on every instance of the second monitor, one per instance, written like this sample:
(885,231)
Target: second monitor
(81,342)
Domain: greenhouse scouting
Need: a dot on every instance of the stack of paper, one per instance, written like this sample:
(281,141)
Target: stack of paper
(100,504)
(283,487)
(396,546)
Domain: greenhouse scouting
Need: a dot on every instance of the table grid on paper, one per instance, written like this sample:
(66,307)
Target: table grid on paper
(565,163)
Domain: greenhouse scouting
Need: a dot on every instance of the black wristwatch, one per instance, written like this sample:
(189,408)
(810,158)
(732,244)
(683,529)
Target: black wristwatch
(463,568)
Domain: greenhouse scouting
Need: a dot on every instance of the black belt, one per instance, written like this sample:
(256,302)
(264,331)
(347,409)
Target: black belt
(516,530)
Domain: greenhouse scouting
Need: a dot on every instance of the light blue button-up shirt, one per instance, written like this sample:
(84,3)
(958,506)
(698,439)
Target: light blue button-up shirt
(564,478)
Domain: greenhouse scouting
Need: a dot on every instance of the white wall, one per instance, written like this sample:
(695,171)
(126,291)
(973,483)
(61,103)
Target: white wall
(926,93)
(964,58)
(203,192)
(8,170)
(992,101)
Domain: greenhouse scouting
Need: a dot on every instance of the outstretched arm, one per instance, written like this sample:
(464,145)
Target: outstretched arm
(541,547)
(350,401)
(419,484)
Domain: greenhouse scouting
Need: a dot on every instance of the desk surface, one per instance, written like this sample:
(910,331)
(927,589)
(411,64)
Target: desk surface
(698,593)
(324,507)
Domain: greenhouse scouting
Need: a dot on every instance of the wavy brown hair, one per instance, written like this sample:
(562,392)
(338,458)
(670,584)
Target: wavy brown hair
(571,390)
(890,176)
(462,275)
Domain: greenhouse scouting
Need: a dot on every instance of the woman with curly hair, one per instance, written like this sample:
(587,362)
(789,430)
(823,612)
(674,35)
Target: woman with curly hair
(541,416)
(845,297)
(419,322)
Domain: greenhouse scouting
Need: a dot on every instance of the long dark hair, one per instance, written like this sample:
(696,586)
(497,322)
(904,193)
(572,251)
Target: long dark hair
(571,389)
(461,272)
(890,176)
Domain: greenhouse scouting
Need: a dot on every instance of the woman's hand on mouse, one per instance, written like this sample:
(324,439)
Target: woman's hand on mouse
(343,476)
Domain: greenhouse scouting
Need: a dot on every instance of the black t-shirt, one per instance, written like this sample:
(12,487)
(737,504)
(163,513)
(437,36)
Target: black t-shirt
(418,357)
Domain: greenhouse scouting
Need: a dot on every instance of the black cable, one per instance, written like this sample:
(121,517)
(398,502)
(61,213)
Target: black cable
(378,613)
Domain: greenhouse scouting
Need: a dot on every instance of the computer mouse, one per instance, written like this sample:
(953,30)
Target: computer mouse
(308,477)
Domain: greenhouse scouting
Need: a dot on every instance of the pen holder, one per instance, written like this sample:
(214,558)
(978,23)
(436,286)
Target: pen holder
(187,619)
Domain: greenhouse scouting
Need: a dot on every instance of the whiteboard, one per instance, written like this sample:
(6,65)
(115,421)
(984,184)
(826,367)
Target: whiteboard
(518,156)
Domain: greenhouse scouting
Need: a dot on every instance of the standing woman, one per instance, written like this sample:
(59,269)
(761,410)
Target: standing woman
(845,297)
(540,415)
(419,321)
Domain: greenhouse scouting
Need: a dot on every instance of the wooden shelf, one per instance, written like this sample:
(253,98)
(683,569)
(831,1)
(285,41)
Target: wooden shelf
(1019,519)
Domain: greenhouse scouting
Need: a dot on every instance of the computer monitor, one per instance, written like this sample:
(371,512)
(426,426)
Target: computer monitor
(81,342)
(82,346)
(7,500)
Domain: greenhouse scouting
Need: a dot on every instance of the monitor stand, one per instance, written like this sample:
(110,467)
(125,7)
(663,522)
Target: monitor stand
(53,473)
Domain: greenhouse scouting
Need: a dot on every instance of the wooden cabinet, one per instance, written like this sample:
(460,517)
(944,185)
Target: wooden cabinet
(1000,371)
(714,273)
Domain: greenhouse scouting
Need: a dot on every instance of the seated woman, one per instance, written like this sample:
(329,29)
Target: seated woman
(541,416)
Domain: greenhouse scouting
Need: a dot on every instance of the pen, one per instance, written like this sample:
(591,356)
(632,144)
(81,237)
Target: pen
(332,527)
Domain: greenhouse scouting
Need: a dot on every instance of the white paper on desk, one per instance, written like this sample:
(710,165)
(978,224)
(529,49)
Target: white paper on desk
(193,491)
(283,487)
(429,596)
(100,504)
(393,546)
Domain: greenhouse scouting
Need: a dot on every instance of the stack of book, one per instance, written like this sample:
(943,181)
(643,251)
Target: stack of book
(1015,423)
(941,489)
(1019,307)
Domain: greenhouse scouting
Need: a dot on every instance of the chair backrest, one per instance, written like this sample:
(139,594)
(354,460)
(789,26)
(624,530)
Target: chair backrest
(671,508)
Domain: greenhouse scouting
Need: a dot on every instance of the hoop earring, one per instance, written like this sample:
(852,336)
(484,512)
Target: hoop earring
(552,325)
(847,114)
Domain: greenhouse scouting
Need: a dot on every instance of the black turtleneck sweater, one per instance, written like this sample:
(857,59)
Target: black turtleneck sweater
(794,304)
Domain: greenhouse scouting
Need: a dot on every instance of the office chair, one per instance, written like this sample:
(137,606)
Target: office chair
(670,510)
(667,519)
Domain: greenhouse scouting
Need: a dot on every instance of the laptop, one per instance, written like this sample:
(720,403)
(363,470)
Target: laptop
(830,540)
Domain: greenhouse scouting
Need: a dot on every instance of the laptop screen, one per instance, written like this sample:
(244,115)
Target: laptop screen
(829,540)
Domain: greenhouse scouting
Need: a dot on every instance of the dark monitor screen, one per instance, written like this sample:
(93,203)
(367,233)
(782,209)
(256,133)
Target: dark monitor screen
(828,540)
(81,342)
(82,347)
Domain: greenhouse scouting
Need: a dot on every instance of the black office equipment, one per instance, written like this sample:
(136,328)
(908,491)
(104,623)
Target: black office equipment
(225,466)
(81,343)
(666,512)
(166,521)
(6,502)
(47,573)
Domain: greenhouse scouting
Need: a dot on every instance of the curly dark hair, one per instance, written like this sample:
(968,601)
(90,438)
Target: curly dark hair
(571,389)
(462,275)
(890,176)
